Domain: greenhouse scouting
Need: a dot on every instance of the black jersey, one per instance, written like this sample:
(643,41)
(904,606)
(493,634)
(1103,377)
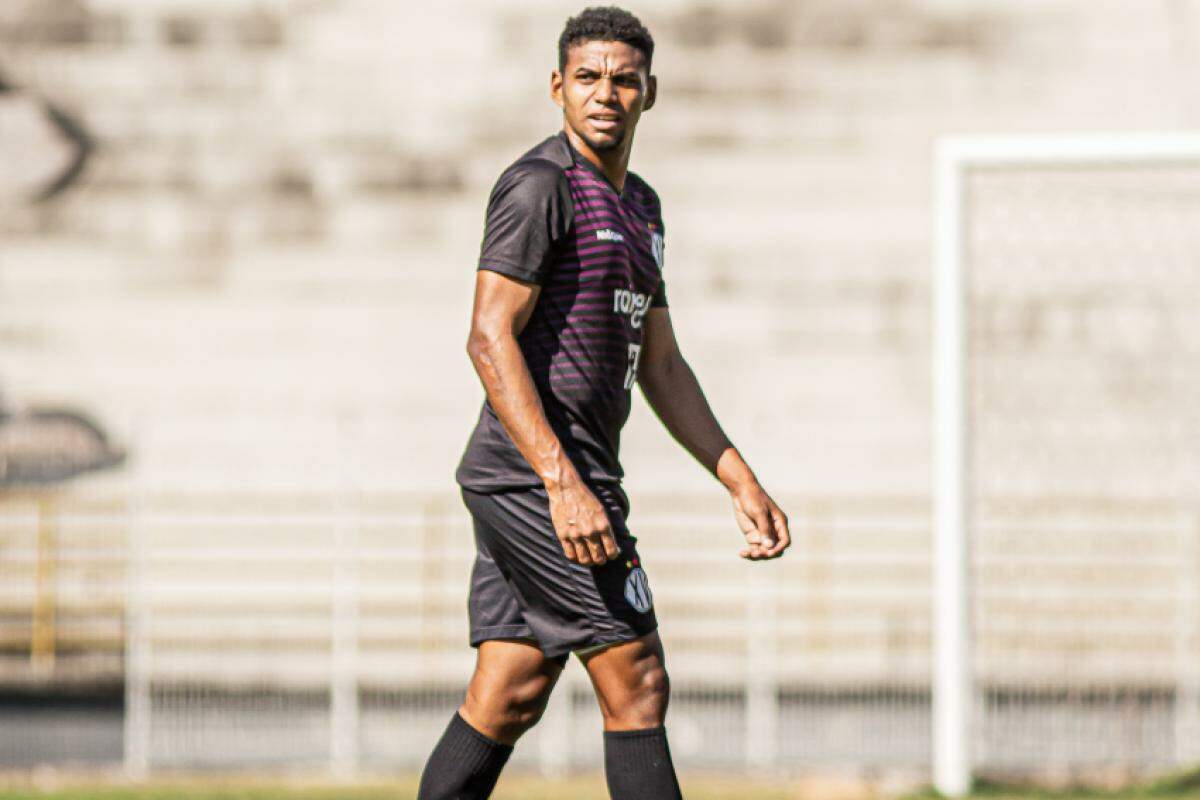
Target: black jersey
(554,219)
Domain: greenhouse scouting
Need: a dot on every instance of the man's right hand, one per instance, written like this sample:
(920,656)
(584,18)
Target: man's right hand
(582,525)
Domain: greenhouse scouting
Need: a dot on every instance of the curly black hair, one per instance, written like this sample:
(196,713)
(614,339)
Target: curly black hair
(607,24)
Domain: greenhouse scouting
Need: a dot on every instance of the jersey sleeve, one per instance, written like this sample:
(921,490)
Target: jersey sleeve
(659,300)
(529,212)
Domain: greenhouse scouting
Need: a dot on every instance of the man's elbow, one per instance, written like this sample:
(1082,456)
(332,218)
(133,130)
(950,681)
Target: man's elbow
(472,345)
(476,345)
(656,375)
(481,343)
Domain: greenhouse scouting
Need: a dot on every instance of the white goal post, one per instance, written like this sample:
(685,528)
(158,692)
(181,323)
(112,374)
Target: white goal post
(956,159)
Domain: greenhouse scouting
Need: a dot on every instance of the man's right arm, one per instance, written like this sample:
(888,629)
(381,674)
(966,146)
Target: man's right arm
(502,307)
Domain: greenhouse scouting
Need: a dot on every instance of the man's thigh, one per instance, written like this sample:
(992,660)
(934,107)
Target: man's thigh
(630,680)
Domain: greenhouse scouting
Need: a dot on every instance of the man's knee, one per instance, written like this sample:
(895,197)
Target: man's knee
(506,710)
(643,704)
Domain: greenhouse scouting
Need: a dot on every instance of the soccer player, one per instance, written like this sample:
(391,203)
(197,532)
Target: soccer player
(570,312)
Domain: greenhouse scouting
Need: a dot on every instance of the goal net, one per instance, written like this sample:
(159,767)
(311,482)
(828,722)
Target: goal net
(1067,373)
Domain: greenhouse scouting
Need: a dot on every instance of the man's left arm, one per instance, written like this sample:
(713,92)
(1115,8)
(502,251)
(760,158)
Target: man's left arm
(671,389)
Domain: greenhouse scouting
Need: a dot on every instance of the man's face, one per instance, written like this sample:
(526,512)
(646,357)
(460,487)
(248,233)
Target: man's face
(603,90)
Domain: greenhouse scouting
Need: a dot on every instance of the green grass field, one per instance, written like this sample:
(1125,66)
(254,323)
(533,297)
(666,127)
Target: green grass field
(1184,785)
(510,788)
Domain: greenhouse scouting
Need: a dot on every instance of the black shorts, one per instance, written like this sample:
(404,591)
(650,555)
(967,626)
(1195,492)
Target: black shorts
(524,587)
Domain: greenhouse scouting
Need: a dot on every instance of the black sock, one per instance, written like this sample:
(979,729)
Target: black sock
(638,765)
(464,765)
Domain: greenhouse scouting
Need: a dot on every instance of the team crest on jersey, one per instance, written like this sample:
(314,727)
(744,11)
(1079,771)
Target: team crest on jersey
(637,590)
(656,246)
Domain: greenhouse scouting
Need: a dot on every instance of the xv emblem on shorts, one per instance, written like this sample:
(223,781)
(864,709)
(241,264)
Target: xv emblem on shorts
(637,590)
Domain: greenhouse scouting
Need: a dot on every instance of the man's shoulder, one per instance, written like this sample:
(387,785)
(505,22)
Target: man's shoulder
(539,170)
(552,150)
(644,191)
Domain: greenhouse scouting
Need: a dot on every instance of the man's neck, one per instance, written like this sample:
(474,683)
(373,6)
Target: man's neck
(613,163)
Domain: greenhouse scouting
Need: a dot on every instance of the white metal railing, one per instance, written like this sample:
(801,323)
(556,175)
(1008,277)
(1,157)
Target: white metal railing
(229,595)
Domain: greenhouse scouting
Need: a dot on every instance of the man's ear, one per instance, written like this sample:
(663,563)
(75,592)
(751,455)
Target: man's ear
(651,92)
(556,83)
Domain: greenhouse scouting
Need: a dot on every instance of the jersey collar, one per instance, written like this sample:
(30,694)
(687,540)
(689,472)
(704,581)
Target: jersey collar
(578,158)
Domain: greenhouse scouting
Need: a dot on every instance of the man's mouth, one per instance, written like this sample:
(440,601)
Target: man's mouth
(604,121)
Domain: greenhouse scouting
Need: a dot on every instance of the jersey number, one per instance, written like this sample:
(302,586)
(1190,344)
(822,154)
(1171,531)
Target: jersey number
(635,352)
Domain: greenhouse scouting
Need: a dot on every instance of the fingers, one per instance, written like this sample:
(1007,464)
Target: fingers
(765,527)
(601,544)
(610,544)
(590,544)
(568,547)
(766,534)
(579,544)
(758,533)
(595,549)
(582,526)
(783,536)
(745,520)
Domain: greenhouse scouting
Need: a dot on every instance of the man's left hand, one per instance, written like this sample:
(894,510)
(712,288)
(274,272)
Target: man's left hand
(763,523)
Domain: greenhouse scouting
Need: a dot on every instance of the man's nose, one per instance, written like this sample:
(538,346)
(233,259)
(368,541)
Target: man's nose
(604,90)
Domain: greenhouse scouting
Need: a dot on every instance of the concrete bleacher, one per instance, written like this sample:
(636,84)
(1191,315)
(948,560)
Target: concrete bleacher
(286,201)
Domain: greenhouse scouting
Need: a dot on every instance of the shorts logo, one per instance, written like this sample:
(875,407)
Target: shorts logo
(637,590)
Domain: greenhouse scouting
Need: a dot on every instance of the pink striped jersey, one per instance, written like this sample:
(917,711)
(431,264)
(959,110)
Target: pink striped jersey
(555,220)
